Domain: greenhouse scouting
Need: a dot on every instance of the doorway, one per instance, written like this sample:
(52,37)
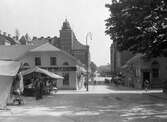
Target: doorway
(66,79)
(146,76)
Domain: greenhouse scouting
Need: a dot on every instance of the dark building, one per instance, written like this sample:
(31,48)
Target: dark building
(118,58)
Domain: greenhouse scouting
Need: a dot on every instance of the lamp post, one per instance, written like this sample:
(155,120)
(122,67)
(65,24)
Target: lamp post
(89,34)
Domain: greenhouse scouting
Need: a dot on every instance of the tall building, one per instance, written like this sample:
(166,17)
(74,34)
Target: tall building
(69,43)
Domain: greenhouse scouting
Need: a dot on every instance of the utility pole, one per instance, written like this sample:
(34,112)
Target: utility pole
(89,34)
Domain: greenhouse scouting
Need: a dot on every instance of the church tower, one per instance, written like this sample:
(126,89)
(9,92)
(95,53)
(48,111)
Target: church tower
(66,37)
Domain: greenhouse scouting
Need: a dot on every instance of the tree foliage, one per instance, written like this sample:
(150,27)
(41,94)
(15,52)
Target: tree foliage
(139,26)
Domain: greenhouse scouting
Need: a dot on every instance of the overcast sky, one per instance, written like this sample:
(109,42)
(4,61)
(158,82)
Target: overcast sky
(45,18)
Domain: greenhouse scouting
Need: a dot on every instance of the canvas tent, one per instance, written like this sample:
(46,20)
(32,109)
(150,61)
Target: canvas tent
(8,69)
(46,72)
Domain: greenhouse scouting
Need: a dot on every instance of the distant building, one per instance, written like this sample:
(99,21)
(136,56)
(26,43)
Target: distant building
(6,39)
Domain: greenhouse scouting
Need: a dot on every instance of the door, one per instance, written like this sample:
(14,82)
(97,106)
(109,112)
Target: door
(146,76)
(66,79)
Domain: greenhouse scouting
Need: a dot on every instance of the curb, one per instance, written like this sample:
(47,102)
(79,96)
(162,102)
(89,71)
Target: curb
(159,96)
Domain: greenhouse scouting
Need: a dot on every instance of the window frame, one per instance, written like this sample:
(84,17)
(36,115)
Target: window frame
(53,61)
(37,61)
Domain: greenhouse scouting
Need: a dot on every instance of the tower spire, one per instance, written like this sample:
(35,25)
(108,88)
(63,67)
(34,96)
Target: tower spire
(66,25)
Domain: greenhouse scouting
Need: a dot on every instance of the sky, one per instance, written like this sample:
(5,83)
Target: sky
(45,18)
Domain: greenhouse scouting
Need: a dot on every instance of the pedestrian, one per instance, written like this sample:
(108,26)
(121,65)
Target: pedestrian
(37,89)
(85,84)
(147,85)
(94,82)
(41,89)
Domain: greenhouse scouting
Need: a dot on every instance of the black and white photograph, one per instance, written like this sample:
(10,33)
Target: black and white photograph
(83,60)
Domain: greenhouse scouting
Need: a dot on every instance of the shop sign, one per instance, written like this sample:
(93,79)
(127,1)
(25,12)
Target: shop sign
(54,69)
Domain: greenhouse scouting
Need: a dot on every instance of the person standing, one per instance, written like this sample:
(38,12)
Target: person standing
(147,85)
(37,89)
(41,89)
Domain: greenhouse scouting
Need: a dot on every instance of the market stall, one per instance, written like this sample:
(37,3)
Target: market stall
(8,70)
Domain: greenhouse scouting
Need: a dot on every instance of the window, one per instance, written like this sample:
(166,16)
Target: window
(155,69)
(53,61)
(155,73)
(65,63)
(66,79)
(37,61)
(26,65)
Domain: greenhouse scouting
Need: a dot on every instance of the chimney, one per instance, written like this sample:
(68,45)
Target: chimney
(4,33)
(9,35)
(14,37)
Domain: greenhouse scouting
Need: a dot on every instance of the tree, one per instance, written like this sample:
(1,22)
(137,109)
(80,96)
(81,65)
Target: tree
(139,26)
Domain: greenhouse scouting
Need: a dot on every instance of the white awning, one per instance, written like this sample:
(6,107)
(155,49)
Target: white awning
(46,72)
(9,68)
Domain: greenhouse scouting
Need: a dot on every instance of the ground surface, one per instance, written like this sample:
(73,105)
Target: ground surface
(101,104)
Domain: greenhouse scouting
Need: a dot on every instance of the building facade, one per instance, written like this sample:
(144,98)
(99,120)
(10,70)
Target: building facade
(118,58)
(68,42)
(47,56)
(138,70)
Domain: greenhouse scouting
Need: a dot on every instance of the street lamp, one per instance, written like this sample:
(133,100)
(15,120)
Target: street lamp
(89,34)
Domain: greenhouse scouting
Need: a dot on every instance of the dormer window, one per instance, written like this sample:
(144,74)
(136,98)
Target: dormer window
(65,64)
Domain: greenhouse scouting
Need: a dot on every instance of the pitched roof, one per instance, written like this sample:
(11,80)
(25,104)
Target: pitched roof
(11,40)
(44,71)
(23,40)
(13,52)
(3,39)
(47,47)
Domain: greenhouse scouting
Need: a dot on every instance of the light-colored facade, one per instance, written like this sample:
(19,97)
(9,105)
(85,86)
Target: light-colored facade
(62,63)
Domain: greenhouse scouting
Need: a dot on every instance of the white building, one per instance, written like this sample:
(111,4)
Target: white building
(48,57)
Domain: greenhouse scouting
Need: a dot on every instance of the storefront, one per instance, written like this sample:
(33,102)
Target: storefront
(49,57)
